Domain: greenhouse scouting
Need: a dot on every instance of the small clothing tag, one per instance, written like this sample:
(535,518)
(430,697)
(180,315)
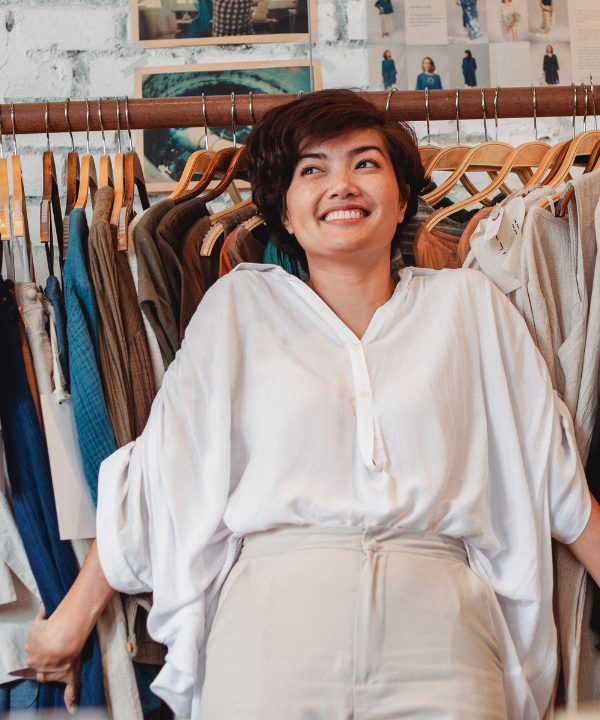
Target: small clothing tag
(74,505)
(493,224)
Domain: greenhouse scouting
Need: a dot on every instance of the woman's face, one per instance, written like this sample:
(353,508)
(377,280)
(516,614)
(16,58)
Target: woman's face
(549,49)
(344,199)
(387,55)
(427,65)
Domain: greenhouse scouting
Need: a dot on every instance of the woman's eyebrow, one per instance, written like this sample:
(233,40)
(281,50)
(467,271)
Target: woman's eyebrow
(354,151)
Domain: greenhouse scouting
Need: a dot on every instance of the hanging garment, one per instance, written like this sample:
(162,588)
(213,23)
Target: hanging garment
(409,231)
(275,256)
(30,304)
(154,296)
(29,369)
(52,561)
(366,625)
(390,442)
(19,595)
(156,359)
(54,294)
(18,695)
(243,246)
(94,429)
(112,344)
(169,238)
(200,272)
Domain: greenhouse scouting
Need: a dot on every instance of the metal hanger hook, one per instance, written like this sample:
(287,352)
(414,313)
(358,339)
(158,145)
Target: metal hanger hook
(535,132)
(594,101)
(68,123)
(574,106)
(205,123)
(251,108)
(483,111)
(585,112)
(87,127)
(101,126)
(127,121)
(496,110)
(389,97)
(233,119)
(427,114)
(300,94)
(119,125)
(14,131)
(47,121)
(457,120)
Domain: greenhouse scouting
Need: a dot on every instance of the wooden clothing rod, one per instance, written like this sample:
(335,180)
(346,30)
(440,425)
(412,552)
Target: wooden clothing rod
(187,111)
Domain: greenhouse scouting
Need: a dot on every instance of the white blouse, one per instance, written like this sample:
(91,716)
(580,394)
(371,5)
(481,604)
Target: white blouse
(273,413)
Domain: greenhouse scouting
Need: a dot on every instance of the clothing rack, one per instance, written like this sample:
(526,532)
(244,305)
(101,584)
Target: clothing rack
(410,105)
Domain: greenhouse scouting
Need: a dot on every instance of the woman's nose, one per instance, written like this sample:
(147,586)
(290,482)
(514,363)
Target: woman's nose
(342,185)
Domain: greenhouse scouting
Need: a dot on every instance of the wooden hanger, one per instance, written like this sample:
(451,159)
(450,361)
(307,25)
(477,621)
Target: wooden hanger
(88,180)
(72,169)
(6,249)
(19,207)
(105,169)
(223,213)
(198,162)
(219,163)
(526,155)
(50,206)
(133,176)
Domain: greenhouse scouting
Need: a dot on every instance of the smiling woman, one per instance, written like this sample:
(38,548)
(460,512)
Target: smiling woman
(345,495)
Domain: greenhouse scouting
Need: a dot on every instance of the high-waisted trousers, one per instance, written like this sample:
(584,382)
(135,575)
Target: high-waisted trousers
(352,624)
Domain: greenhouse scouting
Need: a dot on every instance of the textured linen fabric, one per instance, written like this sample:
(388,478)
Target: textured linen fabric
(248,246)
(439,416)
(112,344)
(94,430)
(54,294)
(50,558)
(30,304)
(335,623)
(169,237)
(19,595)
(29,368)
(155,299)
(156,359)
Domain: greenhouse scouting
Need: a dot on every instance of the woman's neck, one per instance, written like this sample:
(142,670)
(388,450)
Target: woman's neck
(353,293)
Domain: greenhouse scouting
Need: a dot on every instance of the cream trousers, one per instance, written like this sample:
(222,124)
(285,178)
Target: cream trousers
(352,624)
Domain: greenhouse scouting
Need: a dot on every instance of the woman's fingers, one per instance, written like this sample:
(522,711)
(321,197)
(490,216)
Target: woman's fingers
(72,692)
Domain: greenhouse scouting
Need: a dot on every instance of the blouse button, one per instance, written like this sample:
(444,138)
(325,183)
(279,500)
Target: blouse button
(356,347)
(364,395)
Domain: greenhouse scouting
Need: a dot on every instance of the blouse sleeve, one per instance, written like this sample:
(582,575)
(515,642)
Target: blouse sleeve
(162,498)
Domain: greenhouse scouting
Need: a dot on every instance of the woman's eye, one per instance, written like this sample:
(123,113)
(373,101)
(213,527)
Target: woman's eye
(367,164)
(309,170)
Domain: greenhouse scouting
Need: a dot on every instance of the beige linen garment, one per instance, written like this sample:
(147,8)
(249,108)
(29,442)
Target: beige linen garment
(550,271)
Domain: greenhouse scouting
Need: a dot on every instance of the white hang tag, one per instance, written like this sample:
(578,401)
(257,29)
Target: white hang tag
(74,505)
(493,224)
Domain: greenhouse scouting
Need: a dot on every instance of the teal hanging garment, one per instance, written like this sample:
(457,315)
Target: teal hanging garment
(275,256)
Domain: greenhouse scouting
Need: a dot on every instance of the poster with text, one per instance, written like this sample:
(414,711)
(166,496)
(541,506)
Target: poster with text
(436,44)
(165,152)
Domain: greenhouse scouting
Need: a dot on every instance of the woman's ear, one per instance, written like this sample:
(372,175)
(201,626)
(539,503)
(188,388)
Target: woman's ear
(401,210)
(285,219)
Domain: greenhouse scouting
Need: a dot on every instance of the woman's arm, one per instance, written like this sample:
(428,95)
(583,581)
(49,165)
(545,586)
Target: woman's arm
(587,546)
(54,644)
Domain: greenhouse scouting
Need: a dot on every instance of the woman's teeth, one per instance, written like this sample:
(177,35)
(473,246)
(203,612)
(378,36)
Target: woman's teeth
(345,215)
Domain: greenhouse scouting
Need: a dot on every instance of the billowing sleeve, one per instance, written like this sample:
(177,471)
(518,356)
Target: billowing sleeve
(162,498)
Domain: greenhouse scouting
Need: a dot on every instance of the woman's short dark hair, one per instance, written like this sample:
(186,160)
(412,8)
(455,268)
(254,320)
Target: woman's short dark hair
(468,53)
(274,150)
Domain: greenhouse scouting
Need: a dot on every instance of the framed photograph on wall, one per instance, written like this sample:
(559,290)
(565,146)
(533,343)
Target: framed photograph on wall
(175,23)
(165,152)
